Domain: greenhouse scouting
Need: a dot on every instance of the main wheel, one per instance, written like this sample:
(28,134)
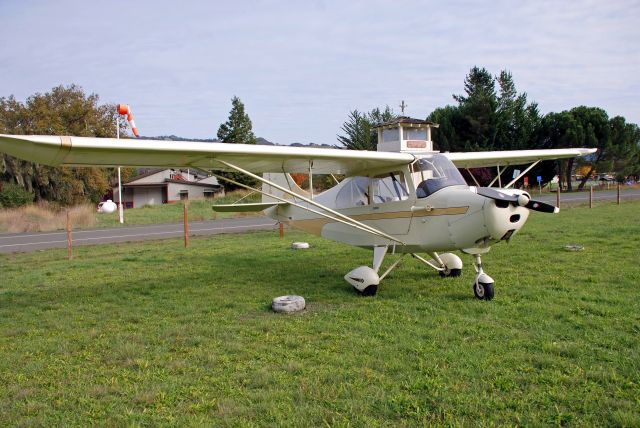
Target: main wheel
(452,273)
(369,291)
(483,290)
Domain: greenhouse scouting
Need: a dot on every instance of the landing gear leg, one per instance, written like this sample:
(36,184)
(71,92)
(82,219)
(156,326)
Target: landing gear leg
(447,264)
(483,284)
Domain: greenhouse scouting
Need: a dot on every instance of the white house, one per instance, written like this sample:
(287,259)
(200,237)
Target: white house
(165,186)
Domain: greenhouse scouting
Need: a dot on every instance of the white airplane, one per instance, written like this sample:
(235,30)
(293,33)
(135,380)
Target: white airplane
(405,198)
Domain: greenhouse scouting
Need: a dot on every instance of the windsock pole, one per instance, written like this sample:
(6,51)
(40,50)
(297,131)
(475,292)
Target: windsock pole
(123,109)
(120,208)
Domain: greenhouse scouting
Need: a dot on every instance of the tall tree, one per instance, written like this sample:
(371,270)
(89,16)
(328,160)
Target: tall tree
(516,121)
(237,130)
(487,117)
(359,133)
(478,110)
(624,146)
(592,129)
(557,130)
(65,110)
(446,135)
(616,140)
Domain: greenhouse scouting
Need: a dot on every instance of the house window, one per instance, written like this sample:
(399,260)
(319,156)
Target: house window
(415,134)
(209,193)
(184,195)
(390,134)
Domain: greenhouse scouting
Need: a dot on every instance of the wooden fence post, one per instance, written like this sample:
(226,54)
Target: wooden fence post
(618,193)
(281,231)
(186,224)
(558,196)
(590,196)
(69,237)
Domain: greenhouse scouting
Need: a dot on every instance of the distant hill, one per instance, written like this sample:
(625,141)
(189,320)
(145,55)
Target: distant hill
(259,140)
(176,138)
(316,146)
(264,142)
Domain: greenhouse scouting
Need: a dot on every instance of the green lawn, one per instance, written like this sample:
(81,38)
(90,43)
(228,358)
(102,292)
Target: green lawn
(156,334)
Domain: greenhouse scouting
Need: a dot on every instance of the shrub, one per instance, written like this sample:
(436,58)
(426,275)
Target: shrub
(45,217)
(13,195)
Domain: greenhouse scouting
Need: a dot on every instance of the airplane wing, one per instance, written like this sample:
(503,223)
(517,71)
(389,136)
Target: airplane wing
(512,157)
(105,152)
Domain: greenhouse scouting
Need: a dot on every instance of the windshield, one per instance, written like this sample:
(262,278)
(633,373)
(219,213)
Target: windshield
(436,173)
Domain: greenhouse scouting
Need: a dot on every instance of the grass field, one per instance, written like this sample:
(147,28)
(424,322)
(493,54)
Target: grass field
(156,334)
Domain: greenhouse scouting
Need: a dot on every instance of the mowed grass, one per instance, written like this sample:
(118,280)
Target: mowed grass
(156,334)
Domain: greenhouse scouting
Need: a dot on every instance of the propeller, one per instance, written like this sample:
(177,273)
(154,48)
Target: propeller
(521,200)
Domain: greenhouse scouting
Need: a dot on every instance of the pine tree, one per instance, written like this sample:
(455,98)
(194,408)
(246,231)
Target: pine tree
(237,130)
(359,128)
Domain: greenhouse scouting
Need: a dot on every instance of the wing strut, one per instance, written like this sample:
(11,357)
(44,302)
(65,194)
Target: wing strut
(381,234)
(497,177)
(473,176)
(343,218)
(522,174)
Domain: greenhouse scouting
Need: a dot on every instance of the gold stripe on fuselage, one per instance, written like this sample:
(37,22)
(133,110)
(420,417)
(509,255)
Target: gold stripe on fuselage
(315,225)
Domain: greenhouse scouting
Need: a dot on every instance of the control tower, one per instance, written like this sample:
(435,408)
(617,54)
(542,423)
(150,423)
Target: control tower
(405,134)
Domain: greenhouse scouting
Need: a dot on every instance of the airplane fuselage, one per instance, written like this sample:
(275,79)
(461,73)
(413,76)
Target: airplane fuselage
(453,217)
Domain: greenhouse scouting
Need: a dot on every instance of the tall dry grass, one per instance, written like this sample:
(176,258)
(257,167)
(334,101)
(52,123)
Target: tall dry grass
(44,217)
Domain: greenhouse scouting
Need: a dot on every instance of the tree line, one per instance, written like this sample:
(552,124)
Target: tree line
(489,115)
(492,115)
(65,110)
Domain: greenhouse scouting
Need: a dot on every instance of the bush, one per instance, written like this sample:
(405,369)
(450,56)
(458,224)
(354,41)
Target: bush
(13,195)
(45,217)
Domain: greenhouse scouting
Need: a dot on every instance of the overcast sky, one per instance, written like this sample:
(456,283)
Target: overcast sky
(300,67)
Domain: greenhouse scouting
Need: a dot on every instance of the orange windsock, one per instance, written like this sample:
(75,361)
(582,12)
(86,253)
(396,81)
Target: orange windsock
(124,109)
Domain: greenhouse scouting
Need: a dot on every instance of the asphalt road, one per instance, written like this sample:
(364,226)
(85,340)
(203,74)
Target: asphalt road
(25,242)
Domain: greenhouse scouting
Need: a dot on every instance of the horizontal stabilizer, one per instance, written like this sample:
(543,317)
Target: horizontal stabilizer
(243,208)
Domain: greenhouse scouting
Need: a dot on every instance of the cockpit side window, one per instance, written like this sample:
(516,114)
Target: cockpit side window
(436,173)
(389,187)
(353,193)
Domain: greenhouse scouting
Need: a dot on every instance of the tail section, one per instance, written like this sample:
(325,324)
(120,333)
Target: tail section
(283,180)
